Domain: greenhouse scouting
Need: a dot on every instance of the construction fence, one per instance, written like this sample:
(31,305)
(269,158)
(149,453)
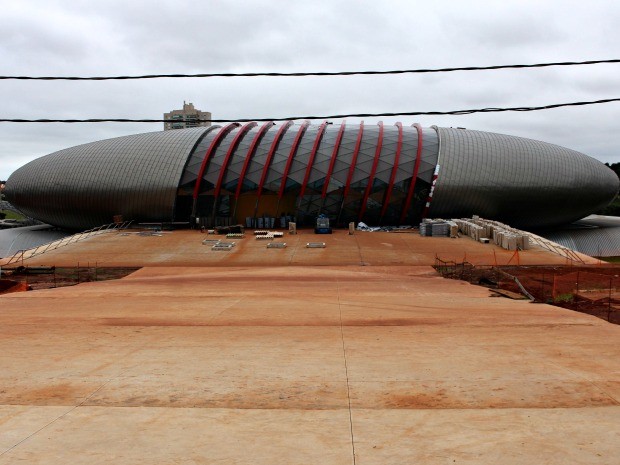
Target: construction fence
(42,277)
(594,290)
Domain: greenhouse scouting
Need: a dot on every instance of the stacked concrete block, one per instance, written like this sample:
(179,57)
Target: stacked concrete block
(471,229)
(498,233)
(438,228)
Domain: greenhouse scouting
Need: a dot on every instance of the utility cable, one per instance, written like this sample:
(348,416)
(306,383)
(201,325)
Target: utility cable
(348,115)
(304,74)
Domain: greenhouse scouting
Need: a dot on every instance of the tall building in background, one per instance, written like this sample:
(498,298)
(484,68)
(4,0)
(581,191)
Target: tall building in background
(188,117)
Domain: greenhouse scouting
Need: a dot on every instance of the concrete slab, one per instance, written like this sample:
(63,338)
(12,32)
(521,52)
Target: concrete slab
(98,435)
(298,364)
(506,436)
(185,248)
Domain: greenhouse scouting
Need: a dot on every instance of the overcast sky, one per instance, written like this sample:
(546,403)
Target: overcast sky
(110,37)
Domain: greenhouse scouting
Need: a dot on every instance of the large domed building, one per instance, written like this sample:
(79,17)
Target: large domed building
(376,173)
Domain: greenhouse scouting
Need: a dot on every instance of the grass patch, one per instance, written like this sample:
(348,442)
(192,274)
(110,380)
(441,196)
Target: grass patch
(610,259)
(11,215)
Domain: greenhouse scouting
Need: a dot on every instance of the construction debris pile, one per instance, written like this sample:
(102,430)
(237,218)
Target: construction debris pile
(500,234)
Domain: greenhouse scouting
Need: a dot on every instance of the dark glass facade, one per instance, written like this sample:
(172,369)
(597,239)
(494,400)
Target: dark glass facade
(376,173)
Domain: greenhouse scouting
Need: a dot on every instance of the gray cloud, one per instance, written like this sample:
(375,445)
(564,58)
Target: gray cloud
(43,37)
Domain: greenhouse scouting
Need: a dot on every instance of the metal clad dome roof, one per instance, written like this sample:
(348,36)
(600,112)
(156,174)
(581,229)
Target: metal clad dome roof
(84,186)
(380,174)
(522,182)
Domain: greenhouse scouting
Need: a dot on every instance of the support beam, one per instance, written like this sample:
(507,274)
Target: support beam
(388,192)
(418,158)
(371,176)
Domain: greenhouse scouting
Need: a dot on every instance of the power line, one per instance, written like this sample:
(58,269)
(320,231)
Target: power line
(303,74)
(348,115)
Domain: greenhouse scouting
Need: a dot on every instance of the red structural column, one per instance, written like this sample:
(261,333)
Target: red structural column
(315,148)
(418,157)
(390,188)
(233,146)
(356,151)
(272,150)
(248,157)
(371,177)
(291,155)
(210,151)
(332,162)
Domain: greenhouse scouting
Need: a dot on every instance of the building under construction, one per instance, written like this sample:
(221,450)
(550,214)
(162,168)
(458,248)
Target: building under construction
(376,173)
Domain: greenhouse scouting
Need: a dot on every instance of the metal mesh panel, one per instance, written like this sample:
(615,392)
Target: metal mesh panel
(300,162)
(190,173)
(217,159)
(233,172)
(276,171)
(258,161)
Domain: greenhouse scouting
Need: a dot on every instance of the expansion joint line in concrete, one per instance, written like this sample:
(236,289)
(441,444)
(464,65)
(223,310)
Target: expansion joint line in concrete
(346,371)
(17,444)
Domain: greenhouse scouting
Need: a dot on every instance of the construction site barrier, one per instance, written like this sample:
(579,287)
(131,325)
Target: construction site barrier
(25,254)
(594,290)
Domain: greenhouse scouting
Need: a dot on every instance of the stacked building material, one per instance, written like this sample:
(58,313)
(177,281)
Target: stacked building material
(226,246)
(268,234)
(472,229)
(500,234)
(438,228)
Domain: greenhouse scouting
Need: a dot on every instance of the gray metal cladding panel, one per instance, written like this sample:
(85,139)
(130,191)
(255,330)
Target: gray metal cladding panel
(231,177)
(429,155)
(388,154)
(344,158)
(85,186)
(323,157)
(366,155)
(190,172)
(523,182)
(406,163)
(280,157)
(255,169)
(597,236)
(300,162)
(214,166)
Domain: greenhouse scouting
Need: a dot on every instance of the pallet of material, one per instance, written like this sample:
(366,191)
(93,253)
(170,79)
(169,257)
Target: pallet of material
(499,233)
(223,246)
(210,241)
